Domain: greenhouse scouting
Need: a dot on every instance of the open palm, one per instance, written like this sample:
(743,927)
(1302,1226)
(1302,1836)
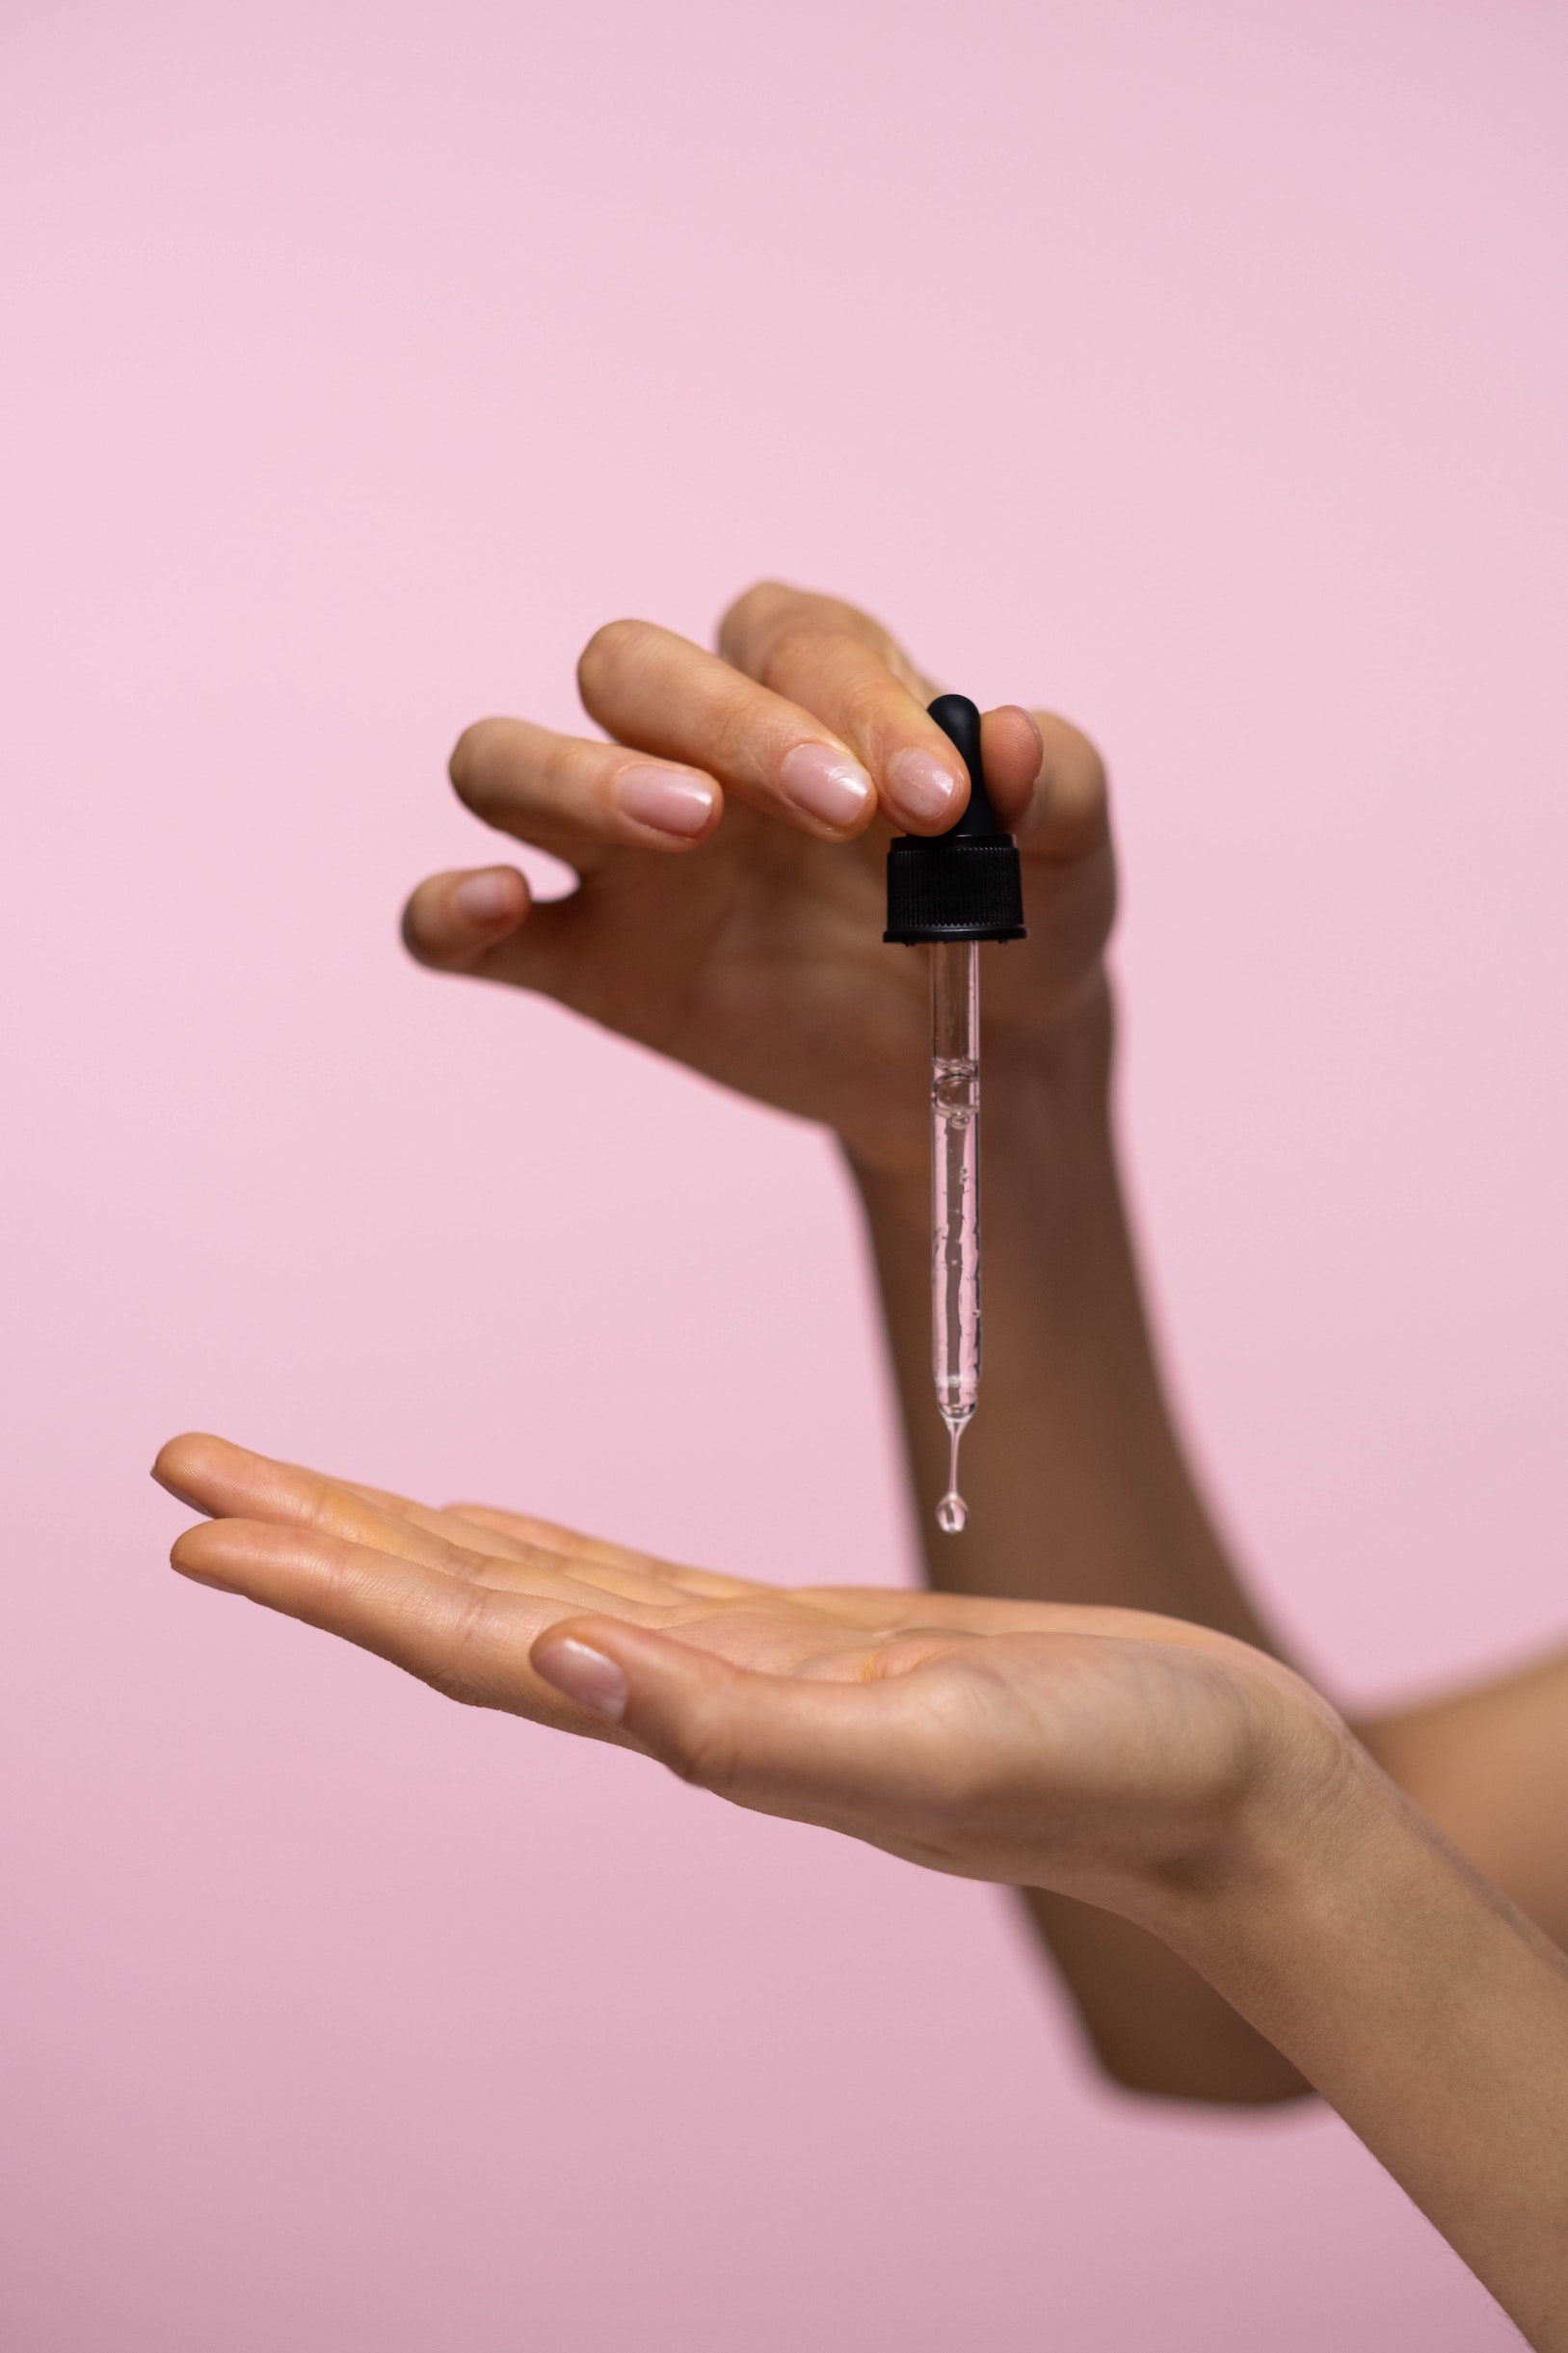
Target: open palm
(1074,1748)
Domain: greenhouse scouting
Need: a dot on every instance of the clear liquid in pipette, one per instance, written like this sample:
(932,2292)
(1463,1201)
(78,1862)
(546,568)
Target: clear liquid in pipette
(955,1201)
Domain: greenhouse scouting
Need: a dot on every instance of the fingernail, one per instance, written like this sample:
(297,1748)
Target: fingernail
(585,1675)
(485,898)
(828,784)
(671,800)
(920,783)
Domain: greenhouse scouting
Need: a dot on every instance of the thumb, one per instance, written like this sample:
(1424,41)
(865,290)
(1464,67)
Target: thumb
(817,1751)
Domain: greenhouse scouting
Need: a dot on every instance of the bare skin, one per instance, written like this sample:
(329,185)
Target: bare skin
(1490,1763)
(750,949)
(1145,1767)
(748,946)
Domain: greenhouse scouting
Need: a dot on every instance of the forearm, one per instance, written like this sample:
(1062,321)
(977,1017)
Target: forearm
(1423,2007)
(1489,1764)
(1079,1488)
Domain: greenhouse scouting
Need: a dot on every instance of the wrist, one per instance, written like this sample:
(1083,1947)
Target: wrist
(1422,2007)
(1274,1884)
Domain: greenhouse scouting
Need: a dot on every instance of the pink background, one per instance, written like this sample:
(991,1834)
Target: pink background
(360,360)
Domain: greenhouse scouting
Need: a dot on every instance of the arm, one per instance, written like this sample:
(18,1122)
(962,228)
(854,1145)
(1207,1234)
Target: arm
(1155,1772)
(1427,2011)
(740,933)
(730,841)
(1490,1765)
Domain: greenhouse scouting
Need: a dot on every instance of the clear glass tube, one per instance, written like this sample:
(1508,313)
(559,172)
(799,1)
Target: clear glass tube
(955,1199)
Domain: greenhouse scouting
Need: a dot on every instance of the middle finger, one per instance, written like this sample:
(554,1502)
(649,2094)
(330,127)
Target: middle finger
(647,686)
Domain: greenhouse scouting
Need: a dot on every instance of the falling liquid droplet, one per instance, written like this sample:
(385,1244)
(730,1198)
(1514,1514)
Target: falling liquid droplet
(952,1511)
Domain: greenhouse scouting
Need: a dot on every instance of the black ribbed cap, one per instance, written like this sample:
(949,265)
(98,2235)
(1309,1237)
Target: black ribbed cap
(968,883)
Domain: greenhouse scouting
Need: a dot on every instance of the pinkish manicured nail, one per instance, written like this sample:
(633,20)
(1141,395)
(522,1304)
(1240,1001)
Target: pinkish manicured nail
(921,786)
(585,1675)
(828,784)
(671,800)
(487,898)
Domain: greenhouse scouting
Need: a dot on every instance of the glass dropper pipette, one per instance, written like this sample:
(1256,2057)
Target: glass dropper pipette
(950,892)
(955,1200)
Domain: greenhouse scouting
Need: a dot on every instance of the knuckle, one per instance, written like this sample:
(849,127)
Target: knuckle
(831,669)
(739,747)
(608,652)
(452,1687)
(748,629)
(757,605)
(467,1668)
(792,651)
(705,1754)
